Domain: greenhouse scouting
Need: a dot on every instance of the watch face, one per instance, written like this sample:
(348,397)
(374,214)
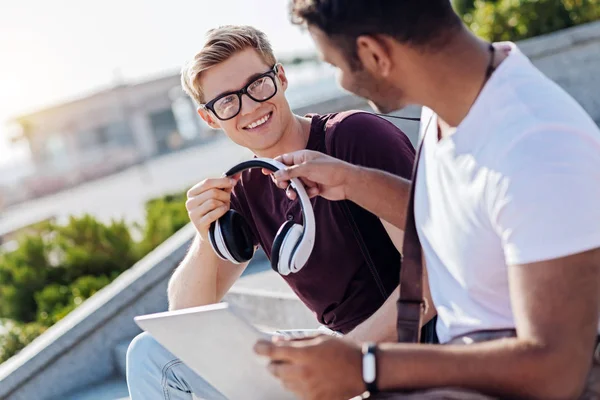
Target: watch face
(369,368)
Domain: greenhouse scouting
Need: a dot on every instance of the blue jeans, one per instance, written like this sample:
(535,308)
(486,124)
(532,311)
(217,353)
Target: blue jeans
(154,373)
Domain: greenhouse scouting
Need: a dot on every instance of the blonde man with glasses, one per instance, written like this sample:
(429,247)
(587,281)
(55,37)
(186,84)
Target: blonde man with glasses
(350,281)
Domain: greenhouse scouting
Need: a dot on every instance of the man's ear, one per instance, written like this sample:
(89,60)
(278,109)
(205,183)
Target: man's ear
(208,118)
(282,77)
(374,54)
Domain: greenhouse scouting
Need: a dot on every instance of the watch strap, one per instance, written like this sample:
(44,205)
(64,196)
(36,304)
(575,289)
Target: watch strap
(369,367)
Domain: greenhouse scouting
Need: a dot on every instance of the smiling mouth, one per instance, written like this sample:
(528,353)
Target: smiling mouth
(259,122)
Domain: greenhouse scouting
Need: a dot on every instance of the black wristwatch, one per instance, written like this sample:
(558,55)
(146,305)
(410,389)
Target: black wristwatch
(369,367)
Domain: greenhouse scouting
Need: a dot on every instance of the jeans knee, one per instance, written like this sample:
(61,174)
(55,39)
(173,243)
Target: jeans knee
(141,344)
(141,348)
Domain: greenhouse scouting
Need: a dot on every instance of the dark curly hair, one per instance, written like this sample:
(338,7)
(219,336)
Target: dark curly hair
(423,23)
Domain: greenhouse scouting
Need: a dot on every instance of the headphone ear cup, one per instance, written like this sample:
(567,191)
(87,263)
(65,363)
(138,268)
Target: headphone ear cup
(276,248)
(213,232)
(237,236)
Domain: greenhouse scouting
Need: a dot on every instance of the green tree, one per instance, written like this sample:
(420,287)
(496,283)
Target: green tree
(23,272)
(86,246)
(15,336)
(164,217)
(55,301)
(463,6)
(57,267)
(521,19)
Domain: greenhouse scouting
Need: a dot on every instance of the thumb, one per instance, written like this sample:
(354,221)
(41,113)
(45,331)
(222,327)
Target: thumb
(277,351)
(296,171)
(297,157)
(313,192)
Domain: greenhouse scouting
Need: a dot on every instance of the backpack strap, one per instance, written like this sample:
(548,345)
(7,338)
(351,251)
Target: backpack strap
(410,304)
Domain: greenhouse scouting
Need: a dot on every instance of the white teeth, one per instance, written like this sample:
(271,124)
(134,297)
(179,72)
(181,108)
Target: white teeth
(259,122)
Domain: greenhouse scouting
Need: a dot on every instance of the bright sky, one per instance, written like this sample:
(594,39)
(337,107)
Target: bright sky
(54,50)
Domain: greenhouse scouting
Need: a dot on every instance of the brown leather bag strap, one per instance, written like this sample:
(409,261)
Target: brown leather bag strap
(410,304)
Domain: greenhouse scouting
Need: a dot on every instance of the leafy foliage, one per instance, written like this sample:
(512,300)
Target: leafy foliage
(23,273)
(16,336)
(500,20)
(85,246)
(164,217)
(56,301)
(57,267)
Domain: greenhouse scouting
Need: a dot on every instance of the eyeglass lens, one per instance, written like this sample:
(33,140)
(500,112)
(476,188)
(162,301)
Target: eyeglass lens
(260,90)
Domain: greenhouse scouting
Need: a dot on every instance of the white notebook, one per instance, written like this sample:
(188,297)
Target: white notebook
(217,343)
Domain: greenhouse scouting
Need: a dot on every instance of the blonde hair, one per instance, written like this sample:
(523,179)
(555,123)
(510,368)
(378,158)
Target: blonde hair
(222,43)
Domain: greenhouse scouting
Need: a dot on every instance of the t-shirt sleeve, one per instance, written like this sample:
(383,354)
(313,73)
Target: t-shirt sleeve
(545,201)
(371,141)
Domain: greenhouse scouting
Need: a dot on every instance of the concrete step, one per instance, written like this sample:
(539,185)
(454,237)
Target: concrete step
(112,389)
(267,300)
(120,355)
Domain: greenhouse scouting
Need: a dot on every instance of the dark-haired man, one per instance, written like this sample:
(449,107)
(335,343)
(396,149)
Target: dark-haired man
(506,211)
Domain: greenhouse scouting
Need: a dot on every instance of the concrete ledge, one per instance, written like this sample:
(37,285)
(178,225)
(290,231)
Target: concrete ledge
(571,58)
(272,309)
(345,101)
(560,41)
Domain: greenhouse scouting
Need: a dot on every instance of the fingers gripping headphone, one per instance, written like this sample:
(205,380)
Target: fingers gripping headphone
(231,237)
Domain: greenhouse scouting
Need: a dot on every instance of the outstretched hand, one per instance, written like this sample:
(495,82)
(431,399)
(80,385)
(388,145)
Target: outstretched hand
(322,175)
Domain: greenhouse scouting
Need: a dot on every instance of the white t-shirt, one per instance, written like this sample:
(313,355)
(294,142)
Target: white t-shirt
(518,182)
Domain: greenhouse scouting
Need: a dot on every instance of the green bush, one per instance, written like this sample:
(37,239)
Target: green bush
(521,19)
(86,246)
(23,272)
(52,303)
(164,217)
(56,268)
(60,255)
(14,336)
(56,301)
(463,6)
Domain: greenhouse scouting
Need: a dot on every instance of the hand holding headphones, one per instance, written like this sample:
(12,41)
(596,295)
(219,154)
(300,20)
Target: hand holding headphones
(231,237)
(208,201)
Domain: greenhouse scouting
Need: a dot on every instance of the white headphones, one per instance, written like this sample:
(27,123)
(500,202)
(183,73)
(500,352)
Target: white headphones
(231,237)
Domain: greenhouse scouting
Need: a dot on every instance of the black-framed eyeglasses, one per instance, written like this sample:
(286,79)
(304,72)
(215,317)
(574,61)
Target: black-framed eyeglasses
(228,105)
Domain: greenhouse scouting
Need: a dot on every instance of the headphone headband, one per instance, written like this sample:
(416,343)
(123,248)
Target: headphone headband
(266,163)
(305,245)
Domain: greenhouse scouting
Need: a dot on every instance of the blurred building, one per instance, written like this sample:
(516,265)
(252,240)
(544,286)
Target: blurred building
(107,131)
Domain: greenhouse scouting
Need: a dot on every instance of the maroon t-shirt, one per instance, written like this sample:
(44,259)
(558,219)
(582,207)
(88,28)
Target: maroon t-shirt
(354,266)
